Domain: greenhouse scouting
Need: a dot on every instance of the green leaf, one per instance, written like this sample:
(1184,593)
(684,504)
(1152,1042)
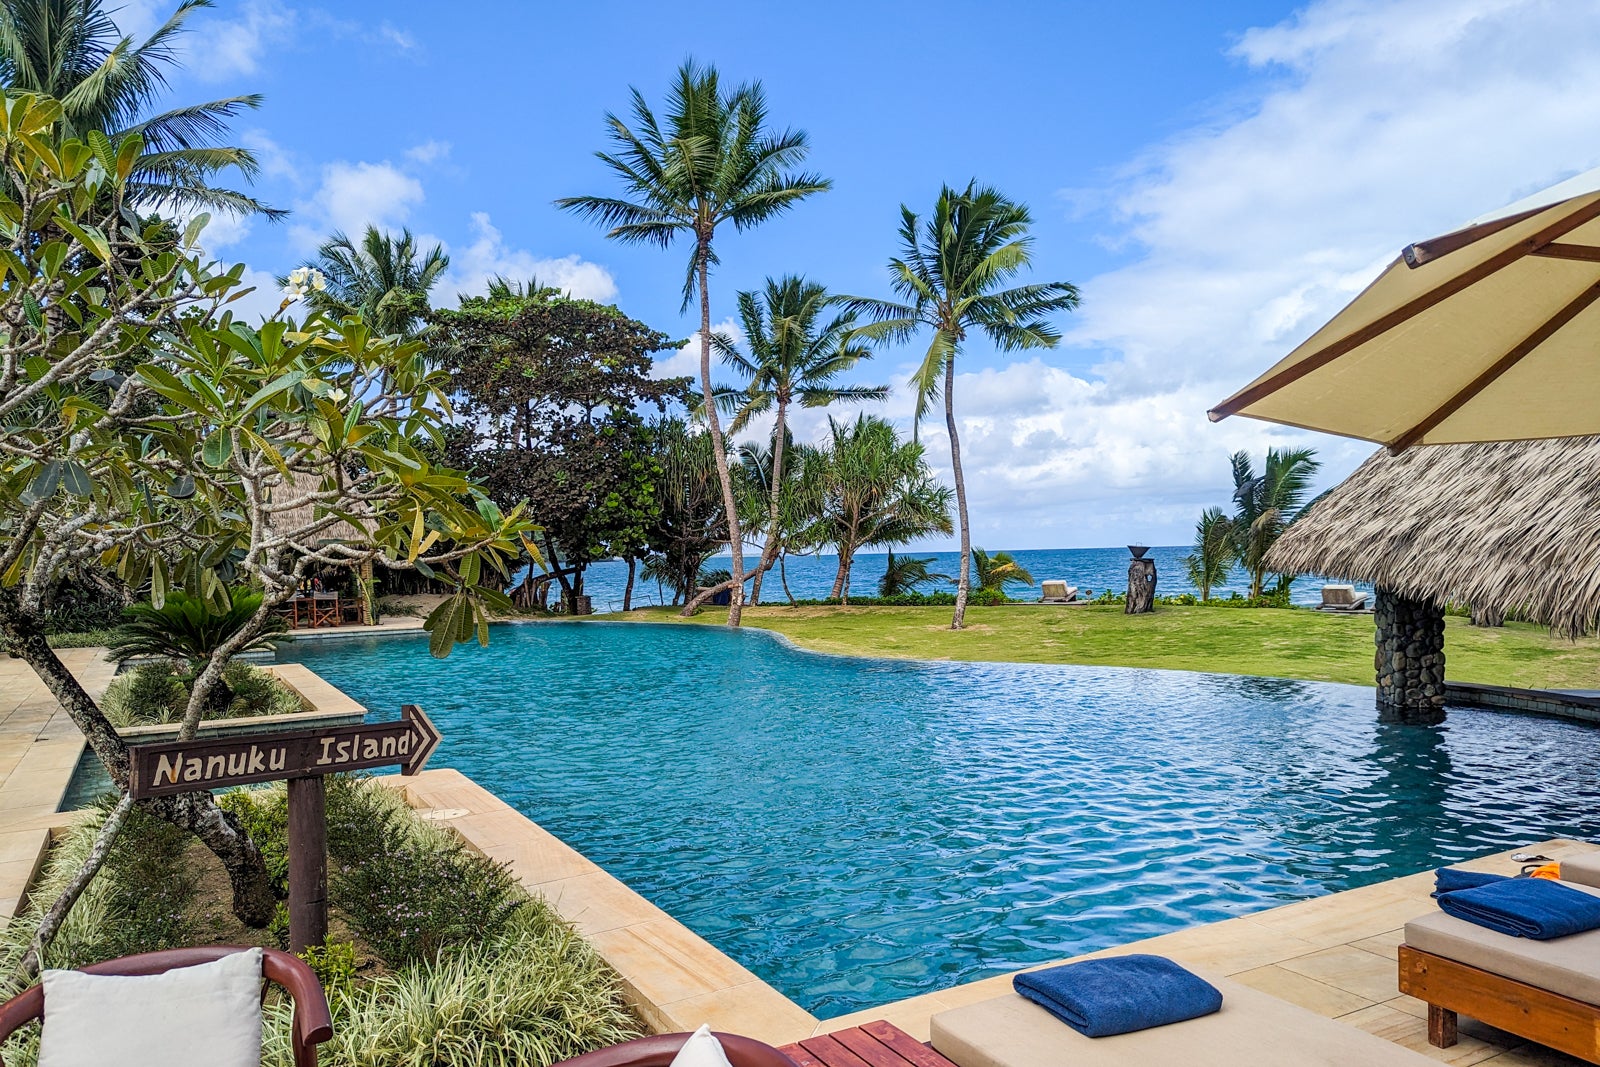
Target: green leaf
(158,583)
(182,489)
(75,477)
(217,448)
(31,308)
(282,383)
(45,484)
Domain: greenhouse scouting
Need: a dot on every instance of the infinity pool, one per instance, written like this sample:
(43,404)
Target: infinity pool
(856,831)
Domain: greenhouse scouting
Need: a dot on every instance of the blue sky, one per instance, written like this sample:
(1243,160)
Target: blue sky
(1217,177)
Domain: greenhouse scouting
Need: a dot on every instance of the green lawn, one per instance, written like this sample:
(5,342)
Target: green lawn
(1279,643)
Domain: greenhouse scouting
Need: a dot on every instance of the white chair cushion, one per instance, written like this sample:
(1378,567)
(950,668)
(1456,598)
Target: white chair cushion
(701,1050)
(203,1016)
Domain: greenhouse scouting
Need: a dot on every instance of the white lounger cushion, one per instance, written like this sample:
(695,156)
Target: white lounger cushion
(1569,965)
(1253,1029)
(1584,869)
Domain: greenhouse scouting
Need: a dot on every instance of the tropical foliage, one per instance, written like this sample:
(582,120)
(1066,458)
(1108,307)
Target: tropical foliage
(865,486)
(951,277)
(1214,555)
(714,161)
(904,575)
(1265,504)
(385,279)
(797,353)
(996,572)
(108,85)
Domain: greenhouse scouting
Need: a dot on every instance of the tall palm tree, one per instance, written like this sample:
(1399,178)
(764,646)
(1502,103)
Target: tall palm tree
(795,357)
(949,277)
(385,279)
(713,161)
(1213,553)
(998,571)
(1266,503)
(73,51)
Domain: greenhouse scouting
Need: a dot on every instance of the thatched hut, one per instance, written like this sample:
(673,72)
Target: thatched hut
(1505,527)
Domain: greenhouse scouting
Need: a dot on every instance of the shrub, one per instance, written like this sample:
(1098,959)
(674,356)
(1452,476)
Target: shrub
(903,600)
(334,964)
(987,598)
(159,693)
(533,995)
(263,813)
(80,639)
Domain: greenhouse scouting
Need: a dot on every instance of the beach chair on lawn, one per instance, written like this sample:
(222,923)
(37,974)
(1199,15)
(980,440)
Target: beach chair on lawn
(1054,591)
(311,1025)
(1342,598)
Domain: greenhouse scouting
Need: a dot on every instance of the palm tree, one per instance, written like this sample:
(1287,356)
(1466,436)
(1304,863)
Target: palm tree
(385,279)
(904,574)
(795,356)
(998,571)
(949,278)
(1265,504)
(73,51)
(866,486)
(714,161)
(1213,552)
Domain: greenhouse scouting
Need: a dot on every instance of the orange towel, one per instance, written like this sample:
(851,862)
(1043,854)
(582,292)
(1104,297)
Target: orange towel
(1551,871)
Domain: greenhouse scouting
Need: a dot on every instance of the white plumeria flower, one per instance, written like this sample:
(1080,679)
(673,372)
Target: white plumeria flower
(337,395)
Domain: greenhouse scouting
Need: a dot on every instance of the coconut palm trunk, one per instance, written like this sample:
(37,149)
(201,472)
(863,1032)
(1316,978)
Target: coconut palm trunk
(719,451)
(769,551)
(964,575)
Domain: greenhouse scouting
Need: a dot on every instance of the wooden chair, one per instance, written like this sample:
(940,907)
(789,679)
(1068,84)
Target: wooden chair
(659,1050)
(312,1024)
(325,610)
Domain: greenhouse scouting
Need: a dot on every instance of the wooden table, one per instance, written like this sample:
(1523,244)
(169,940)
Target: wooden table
(878,1044)
(319,609)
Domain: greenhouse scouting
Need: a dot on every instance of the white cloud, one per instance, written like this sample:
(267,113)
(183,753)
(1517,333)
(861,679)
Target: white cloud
(224,47)
(685,363)
(353,196)
(263,300)
(428,152)
(1373,124)
(488,257)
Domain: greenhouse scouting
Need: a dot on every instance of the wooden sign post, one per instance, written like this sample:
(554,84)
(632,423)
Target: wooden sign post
(302,758)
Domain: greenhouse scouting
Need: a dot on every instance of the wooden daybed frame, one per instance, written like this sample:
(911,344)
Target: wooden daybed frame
(1449,987)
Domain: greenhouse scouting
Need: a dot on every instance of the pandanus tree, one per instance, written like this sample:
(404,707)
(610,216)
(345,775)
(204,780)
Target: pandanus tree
(797,353)
(950,278)
(106,82)
(865,486)
(711,160)
(1266,503)
(384,278)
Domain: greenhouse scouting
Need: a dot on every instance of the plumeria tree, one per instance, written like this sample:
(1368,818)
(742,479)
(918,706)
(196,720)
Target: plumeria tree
(143,427)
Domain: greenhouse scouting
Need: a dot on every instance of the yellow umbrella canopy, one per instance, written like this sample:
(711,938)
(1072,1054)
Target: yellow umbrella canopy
(1489,333)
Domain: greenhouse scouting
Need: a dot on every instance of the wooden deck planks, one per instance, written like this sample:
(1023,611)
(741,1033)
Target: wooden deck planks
(875,1044)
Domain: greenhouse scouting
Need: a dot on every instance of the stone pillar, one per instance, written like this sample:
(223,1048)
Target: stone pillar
(1141,587)
(1410,659)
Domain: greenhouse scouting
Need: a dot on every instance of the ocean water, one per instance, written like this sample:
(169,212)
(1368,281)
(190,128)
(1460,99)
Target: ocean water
(811,577)
(856,831)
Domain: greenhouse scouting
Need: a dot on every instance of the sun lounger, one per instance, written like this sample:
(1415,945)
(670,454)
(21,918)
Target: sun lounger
(1583,869)
(1253,1028)
(1342,598)
(1545,991)
(1053,591)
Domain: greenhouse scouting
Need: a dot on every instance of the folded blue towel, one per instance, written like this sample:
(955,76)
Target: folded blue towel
(1535,908)
(1450,879)
(1099,998)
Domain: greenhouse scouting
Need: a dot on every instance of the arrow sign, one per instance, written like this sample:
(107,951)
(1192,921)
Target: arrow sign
(167,767)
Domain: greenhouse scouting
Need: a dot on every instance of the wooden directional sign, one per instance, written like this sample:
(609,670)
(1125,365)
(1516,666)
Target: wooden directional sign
(302,757)
(166,767)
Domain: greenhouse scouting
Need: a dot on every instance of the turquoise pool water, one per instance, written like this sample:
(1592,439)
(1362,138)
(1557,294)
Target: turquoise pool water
(856,831)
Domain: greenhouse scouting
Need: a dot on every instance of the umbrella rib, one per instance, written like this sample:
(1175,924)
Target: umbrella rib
(1498,368)
(1563,250)
(1410,309)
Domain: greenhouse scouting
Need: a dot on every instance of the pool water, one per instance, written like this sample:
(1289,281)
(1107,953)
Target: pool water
(856,831)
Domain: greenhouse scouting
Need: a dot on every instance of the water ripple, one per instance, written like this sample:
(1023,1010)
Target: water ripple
(857,831)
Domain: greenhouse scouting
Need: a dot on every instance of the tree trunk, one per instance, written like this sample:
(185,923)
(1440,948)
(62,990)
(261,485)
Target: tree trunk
(769,551)
(718,450)
(847,563)
(1141,596)
(839,576)
(964,579)
(253,900)
(569,598)
(627,590)
(783,576)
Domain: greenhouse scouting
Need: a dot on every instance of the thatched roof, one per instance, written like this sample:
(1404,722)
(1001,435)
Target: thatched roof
(310,512)
(1513,526)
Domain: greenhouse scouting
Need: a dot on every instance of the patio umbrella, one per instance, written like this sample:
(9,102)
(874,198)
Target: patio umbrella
(1489,333)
